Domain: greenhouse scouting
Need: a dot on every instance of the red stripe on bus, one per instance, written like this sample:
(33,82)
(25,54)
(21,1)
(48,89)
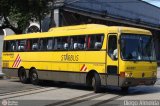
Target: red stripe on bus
(15,61)
(85,69)
(18,61)
(82,67)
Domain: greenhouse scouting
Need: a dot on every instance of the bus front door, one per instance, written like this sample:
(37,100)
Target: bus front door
(112,61)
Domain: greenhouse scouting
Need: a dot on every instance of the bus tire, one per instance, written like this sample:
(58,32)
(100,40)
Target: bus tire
(34,77)
(96,83)
(124,89)
(23,75)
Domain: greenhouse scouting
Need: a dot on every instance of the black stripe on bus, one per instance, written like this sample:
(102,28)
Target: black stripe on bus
(54,71)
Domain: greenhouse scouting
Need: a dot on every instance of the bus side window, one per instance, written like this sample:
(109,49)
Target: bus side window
(98,41)
(43,44)
(49,43)
(64,42)
(81,42)
(95,41)
(12,46)
(77,42)
(35,44)
(112,47)
(21,45)
(8,46)
(58,43)
(73,43)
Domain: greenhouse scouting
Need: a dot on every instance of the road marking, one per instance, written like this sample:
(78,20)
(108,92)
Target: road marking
(20,91)
(108,100)
(84,99)
(28,93)
(68,100)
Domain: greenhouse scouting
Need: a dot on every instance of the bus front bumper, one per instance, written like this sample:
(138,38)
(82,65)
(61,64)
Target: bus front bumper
(126,82)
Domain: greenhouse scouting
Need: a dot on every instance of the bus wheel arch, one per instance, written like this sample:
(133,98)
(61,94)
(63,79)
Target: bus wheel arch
(22,75)
(33,75)
(93,80)
(19,70)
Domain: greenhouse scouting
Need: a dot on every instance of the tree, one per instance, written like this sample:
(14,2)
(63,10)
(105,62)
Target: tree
(18,13)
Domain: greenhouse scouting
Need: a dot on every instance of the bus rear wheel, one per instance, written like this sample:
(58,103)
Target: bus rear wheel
(23,76)
(34,77)
(96,83)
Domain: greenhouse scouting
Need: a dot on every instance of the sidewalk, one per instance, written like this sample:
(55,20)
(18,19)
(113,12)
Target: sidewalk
(158,76)
(1,74)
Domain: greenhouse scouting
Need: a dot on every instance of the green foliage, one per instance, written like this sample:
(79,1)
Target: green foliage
(4,7)
(23,11)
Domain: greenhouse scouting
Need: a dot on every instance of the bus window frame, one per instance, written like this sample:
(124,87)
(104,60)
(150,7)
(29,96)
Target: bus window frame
(53,39)
(94,49)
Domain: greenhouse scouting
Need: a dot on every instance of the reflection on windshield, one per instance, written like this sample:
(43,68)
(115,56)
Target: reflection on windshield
(137,47)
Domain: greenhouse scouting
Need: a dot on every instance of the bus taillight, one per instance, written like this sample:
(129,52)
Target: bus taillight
(122,74)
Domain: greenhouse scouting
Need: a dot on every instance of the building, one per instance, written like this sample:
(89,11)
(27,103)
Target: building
(135,13)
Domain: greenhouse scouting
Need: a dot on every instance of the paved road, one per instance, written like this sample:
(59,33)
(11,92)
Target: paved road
(56,94)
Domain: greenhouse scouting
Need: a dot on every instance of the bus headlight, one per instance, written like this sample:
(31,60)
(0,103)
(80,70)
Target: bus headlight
(124,74)
(128,74)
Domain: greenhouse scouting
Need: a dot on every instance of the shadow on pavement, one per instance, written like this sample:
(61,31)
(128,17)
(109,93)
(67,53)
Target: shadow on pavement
(139,90)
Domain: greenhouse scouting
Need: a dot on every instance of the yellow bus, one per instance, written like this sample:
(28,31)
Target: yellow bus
(91,54)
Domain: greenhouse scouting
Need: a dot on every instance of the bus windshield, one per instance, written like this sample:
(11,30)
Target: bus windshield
(137,47)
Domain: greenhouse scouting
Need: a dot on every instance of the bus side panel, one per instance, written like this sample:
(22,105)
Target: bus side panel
(10,73)
(60,66)
(63,76)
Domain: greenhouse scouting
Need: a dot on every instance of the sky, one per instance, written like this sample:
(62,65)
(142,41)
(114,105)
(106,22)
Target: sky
(154,2)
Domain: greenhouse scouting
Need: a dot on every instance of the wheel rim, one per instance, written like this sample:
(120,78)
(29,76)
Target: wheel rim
(34,76)
(93,82)
(22,76)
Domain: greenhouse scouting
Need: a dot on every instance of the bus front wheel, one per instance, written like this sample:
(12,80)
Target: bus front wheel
(23,76)
(34,77)
(96,83)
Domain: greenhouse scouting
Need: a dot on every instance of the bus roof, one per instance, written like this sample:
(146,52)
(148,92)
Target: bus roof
(80,30)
